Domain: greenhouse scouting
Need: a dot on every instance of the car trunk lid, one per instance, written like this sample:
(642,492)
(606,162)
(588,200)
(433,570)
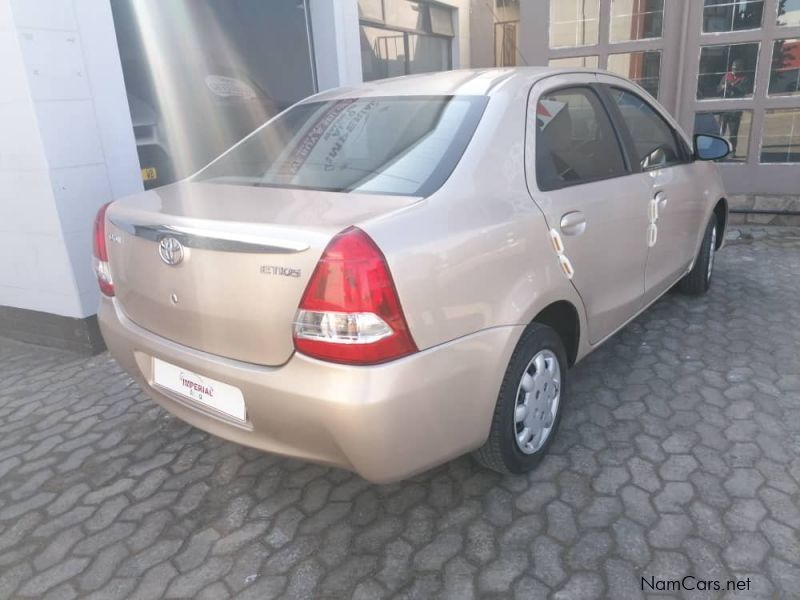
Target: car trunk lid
(222,268)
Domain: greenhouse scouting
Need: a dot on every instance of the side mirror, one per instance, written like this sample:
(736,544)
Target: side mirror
(711,147)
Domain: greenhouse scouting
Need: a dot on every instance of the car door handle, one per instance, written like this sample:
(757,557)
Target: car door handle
(573,223)
(661,198)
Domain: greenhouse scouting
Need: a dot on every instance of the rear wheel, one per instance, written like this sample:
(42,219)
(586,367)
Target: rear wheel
(697,281)
(529,404)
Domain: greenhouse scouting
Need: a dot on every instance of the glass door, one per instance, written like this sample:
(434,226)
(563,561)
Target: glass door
(627,37)
(742,80)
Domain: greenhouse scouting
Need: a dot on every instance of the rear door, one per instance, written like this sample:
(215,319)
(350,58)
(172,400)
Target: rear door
(676,204)
(595,206)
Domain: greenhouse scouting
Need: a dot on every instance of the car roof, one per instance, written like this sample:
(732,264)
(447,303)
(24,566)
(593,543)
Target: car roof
(480,82)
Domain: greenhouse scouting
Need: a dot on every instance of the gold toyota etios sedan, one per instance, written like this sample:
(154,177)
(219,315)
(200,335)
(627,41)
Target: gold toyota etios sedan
(388,276)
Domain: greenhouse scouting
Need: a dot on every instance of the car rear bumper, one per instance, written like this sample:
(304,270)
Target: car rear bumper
(386,422)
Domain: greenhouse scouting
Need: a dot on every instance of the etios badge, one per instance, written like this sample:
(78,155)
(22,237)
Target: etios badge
(170,250)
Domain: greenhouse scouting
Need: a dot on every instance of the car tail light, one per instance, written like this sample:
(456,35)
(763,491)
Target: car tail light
(350,312)
(101,268)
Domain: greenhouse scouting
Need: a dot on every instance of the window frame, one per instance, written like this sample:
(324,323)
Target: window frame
(720,44)
(550,22)
(686,155)
(660,52)
(611,39)
(729,163)
(592,88)
(760,25)
(770,93)
(760,162)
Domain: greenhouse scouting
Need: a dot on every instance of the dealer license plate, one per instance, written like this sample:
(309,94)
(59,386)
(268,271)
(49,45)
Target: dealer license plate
(210,392)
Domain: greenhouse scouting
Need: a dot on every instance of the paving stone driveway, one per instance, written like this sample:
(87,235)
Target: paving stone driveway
(679,453)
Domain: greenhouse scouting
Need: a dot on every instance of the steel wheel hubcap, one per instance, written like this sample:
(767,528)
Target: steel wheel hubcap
(538,395)
(713,246)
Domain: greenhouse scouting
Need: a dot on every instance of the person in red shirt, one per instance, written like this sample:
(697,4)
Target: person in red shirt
(734,84)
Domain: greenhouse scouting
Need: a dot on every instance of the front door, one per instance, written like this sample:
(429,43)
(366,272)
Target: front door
(595,206)
(676,208)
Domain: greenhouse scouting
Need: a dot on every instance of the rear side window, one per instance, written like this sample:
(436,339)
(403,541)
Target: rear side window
(404,145)
(654,140)
(575,142)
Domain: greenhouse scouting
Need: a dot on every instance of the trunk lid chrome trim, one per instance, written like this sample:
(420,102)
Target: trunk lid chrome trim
(209,238)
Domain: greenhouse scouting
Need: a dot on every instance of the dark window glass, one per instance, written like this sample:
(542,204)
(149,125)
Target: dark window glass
(734,125)
(727,71)
(636,19)
(356,145)
(383,53)
(784,78)
(642,67)
(428,53)
(732,15)
(575,142)
(780,139)
(441,20)
(789,13)
(655,141)
(390,53)
(233,66)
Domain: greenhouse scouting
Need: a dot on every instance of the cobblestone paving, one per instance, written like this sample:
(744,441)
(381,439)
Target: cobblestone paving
(679,453)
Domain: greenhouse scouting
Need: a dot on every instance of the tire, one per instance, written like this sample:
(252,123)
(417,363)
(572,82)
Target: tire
(697,281)
(502,452)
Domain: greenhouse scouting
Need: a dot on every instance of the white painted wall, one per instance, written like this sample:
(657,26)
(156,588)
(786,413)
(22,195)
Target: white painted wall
(66,141)
(462,41)
(66,147)
(337,46)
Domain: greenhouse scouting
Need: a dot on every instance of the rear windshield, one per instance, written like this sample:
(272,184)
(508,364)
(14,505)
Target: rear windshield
(405,145)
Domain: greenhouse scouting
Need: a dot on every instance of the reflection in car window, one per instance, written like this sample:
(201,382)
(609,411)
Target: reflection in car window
(405,145)
(655,141)
(575,141)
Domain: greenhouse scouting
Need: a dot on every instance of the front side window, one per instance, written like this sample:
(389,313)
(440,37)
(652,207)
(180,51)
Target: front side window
(355,145)
(732,15)
(655,142)
(727,71)
(575,142)
(784,77)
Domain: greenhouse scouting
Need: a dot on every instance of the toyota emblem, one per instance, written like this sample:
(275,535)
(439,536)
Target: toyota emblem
(170,250)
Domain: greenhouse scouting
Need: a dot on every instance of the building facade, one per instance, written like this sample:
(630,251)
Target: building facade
(730,67)
(104,98)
